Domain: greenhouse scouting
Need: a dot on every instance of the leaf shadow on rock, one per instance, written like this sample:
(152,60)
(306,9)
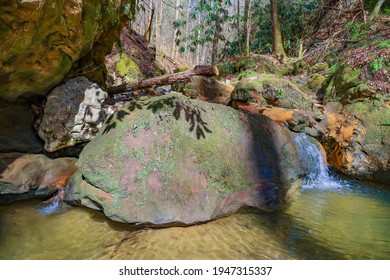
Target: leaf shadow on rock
(192,113)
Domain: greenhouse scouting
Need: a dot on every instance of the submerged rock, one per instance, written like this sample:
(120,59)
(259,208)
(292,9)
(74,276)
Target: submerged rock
(73,114)
(17,132)
(24,176)
(173,160)
(44,40)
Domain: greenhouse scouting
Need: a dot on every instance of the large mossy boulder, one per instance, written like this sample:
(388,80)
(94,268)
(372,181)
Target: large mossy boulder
(42,40)
(266,90)
(174,160)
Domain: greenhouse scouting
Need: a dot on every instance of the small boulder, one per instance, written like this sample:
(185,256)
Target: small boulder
(24,176)
(207,89)
(73,114)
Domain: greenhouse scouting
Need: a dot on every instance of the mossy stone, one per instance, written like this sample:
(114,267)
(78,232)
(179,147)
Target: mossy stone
(171,159)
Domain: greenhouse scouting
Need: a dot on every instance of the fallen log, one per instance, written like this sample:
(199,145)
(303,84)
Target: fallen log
(202,70)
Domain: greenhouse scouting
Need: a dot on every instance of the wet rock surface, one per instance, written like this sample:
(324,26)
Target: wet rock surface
(24,176)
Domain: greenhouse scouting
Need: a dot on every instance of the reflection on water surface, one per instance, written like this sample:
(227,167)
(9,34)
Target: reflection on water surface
(348,223)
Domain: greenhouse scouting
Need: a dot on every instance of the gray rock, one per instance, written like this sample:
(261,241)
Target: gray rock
(73,114)
(311,131)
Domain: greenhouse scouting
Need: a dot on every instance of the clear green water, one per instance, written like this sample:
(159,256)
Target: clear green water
(349,222)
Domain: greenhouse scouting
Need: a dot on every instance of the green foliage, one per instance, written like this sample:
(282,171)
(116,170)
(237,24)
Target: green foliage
(384,45)
(376,65)
(213,14)
(246,74)
(357,30)
(294,16)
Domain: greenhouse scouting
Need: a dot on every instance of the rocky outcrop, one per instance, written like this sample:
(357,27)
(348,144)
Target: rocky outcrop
(46,38)
(17,132)
(207,89)
(358,116)
(280,100)
(73,114)
(173,160)
(266,90)
(24,176)
(131,59)
(358,141)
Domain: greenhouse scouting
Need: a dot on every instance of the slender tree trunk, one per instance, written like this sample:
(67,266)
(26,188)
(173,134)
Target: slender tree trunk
(148,33)
(173,50)
(217,34)
(188,25)
(376,9)
(238,26)
(198,47)
(277,43)
(203,61)
(363,10)
(248,6)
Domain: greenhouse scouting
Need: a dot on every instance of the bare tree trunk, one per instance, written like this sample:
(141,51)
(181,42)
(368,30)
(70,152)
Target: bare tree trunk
(188,25)
(363,11)
(376,9)
(217,34)
(248,6)
(238,26)
(148,33)
(277,43)
(205,70)
(245,17)
(203,60)
(198,47)
(173,50)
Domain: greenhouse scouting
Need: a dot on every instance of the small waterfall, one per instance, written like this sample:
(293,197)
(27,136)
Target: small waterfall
(54,204)
(312,160)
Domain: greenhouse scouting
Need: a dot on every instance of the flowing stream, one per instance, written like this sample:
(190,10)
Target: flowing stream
(330,218)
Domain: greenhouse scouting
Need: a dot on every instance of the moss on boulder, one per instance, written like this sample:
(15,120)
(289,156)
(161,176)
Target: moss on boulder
(345,84)
(314,84)
(126,68)
(46,39)
(267,90)
(173,160)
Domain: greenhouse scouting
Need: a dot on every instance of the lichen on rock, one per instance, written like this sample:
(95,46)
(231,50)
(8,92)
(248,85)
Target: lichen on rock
(73,114)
